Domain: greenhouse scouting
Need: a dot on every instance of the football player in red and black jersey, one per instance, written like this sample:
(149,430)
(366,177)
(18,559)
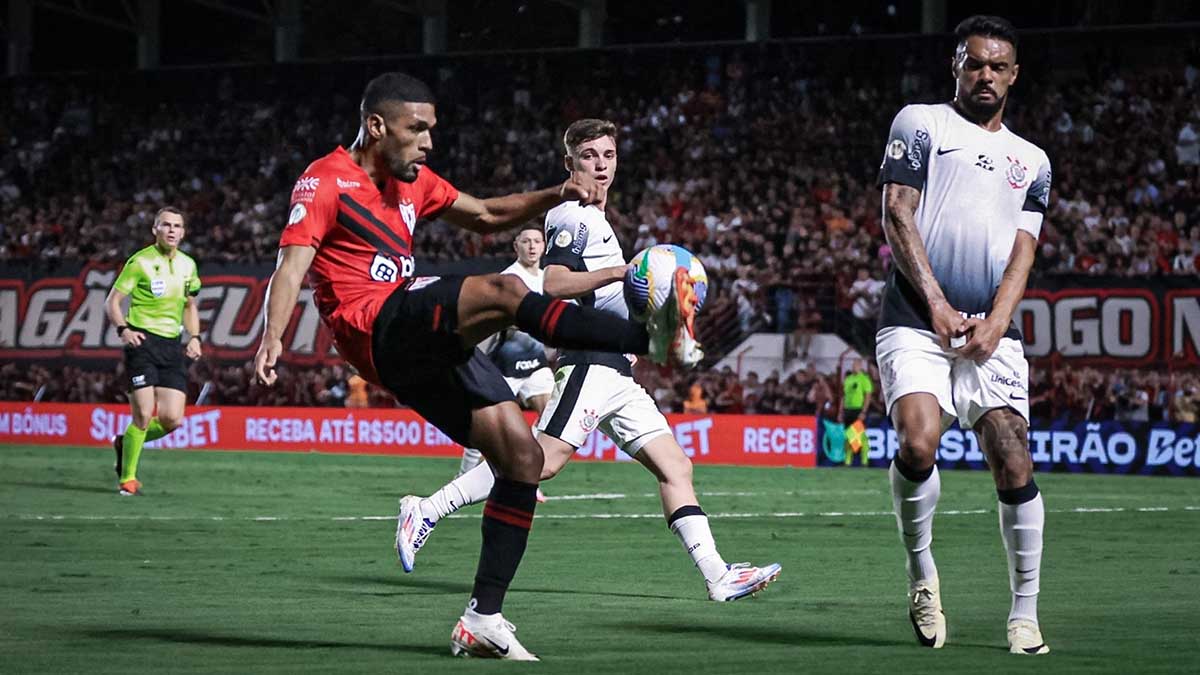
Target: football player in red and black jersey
(349,230)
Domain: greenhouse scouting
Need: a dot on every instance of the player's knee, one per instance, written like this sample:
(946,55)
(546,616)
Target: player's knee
(919,450)
(170,422)
(141,420)
(678,471)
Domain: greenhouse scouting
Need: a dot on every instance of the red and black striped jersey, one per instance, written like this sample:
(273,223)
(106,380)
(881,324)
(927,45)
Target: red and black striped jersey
(363,239)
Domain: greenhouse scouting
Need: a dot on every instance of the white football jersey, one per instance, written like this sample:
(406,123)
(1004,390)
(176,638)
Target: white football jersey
(532,279)
(580,239)
(978,188)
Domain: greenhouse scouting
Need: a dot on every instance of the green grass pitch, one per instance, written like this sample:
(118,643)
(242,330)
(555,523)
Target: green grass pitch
(260,562)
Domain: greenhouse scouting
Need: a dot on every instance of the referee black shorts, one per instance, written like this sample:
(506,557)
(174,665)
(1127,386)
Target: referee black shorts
(422,362)
(157,362)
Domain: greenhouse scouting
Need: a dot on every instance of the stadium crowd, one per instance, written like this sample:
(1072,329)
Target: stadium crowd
(754,158)
(1075,394)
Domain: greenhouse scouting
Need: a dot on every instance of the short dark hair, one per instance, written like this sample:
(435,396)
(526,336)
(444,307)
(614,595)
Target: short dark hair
(985,25)
(394,87)
(588,129)
(531,225)
(170,209)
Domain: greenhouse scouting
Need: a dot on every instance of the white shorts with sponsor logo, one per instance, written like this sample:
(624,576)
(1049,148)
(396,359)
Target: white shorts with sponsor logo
(589,397)
(539,382)
(912,361)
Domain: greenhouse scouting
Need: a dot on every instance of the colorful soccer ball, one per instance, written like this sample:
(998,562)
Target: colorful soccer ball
(648,283)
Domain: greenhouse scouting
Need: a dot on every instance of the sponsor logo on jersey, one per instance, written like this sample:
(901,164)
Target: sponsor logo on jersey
(348,184)
(916,154)
(527,364)
(306,189)
(589,421)
(984,162)
(297,214)
(384,269)
(1017,174)
(158,287)
(408,213)
(580,239)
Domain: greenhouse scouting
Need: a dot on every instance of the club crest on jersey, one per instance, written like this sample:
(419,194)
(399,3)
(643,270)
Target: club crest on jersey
(1017,174)
(589,421)
(158,287)
(306,189)
(408,213)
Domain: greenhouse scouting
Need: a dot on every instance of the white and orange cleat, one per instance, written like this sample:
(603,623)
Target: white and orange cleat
(487,636)
(672,327)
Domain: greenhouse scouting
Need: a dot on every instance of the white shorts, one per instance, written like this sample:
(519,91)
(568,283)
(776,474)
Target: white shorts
(913,361)
(538,383)
(593,397)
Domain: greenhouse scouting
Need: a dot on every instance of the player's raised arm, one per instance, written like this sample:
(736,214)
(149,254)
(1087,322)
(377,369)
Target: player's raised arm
(562,282)
(497,214)
(902,175)
(282,292)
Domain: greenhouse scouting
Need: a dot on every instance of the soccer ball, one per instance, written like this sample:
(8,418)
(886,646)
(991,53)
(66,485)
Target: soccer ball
(648,283)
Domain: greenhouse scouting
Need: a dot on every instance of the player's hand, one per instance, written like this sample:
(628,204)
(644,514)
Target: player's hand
(264,360)
(193,351)
(132,337)
(984,336)
(947,322)
(583,188)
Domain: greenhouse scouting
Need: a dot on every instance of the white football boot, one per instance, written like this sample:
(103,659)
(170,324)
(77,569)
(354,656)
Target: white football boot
(925,612)
(1024,637)
(487,636)
(412,529)
(672,327)
(742,579)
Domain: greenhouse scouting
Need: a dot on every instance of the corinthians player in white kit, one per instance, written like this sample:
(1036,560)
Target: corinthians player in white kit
(519,356)
(594,390)
(964,199)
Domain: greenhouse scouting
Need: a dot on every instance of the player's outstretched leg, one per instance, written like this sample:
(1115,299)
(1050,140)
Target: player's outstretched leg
(663,457)
(419,516)
(491,302)
(916,487)
(1003,434)
(500,432)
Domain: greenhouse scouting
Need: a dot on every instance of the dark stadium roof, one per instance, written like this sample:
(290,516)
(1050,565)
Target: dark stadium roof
(73,35)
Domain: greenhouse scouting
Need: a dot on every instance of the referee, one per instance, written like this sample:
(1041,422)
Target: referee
(161,282)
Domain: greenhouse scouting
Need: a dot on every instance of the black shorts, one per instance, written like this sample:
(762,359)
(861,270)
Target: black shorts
(422,362)
(157,362)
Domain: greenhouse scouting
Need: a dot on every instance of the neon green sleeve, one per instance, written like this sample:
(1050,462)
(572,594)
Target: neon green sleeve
(128,279)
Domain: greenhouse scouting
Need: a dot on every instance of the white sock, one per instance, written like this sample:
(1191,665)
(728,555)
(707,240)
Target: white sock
(472,487)
(1021,528)
(914,505)
(698,541)
(470,459)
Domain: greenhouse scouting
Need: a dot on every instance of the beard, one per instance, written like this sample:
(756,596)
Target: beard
(980,110)
(404,171)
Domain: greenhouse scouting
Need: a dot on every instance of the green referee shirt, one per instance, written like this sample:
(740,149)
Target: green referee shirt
(855,390)
(158,288)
